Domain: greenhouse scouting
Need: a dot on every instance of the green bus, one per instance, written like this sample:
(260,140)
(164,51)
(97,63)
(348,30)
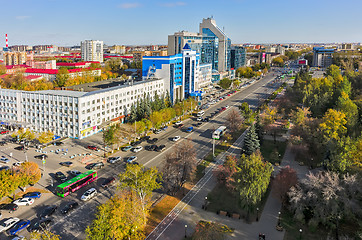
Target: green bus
(75,183)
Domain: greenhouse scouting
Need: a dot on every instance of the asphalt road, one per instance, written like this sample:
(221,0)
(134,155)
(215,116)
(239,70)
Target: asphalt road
(74,225)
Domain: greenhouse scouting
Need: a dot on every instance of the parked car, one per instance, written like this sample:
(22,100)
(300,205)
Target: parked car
(4,168)
(130,159)
(157,131)
(206,119)
(17,164)
(8,223)
(160,148)
(33,195)
(125,149)
(4,132)
(18,227)
(48,211)
(136,143)
(198,124)
(10,206)
(176,138)
(114,159)
(137,149)
(89,194)
(69,207)
(41,156)
(153,140)
(20,148)
(24,201)
(74,172)
(2,143)
(145,138)
(66,164)
(4,159)
(60,176)
(190,129)
(58,143)
(180,125)
(97,165)
(199,119)
(93,148)
(151,147)
(108,182)
(40,225)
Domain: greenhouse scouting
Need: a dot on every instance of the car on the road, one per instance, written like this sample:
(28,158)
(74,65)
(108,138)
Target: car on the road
(198,124)
(199,119)
(114,159)
(190,129)
(2,143)
(58,143)
(74,172)
(66,164)
(178,123)
(48,211)
(223,108)
(136,143)
(157,131)
(18,227)
(92,148)
(41,156)
(108,182)
(4,168)
(176,138)
(130,159)
(4,159)
(206,119)
(201,113)
(97,165)
(18,238)
(33,195)
(89,194)
(8,223)
(151,147)
(69,207)
(137,149)
(179,126)
(11,207)
(160,148)
(17,164)
(40,225)
(126,148)
(60,176)
(153,140)
(145,138)
(4,132)
(20,148)
(227,106)
(24,201)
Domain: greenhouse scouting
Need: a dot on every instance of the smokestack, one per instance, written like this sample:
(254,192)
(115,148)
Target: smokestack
(6,38)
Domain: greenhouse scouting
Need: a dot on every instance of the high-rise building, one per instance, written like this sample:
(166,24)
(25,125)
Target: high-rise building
(92,50)
(211,43)
(15,58)
(238,57)
(322,57)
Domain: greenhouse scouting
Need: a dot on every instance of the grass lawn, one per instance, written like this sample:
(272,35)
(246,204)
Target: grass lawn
(268,146)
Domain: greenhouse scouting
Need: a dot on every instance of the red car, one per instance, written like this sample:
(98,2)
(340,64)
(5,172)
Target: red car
(223,108)
(4,132)
(92,148)
(229,95)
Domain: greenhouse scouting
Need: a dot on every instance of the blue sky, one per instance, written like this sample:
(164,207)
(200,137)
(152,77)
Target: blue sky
(133,22)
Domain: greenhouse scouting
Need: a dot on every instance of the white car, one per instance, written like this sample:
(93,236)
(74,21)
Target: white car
(8,224)
(137,149)
(17,164)
(178,123)
(24,201)
(199,119)
(131,159)
(176,138)
(4,159)
(75,172)
(227,106)
(89,194)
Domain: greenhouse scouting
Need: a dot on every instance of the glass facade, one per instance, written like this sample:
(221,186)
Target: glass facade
(187,77)
(238,57)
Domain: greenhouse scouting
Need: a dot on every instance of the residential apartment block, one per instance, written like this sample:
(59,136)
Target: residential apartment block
(92,50)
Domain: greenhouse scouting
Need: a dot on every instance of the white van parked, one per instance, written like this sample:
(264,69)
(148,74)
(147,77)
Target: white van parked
(200,114)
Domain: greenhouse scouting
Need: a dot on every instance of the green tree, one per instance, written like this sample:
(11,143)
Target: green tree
(109,135)
(225,83)
(251,141)
(350,109)
(333,125)
(133,113)
(142,182)
(246,112)
(278,61)
(252,179)
(62,77)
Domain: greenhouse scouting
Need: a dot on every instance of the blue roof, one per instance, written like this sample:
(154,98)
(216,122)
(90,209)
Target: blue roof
(187,47)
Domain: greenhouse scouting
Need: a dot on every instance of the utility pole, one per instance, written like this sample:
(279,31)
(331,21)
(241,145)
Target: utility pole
(135,134)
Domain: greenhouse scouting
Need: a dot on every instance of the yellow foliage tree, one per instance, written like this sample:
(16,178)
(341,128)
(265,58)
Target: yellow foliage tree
(333,125)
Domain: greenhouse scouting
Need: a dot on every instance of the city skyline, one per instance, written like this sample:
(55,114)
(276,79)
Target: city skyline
(143,22)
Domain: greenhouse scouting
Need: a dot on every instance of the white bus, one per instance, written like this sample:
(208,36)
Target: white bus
(219,132)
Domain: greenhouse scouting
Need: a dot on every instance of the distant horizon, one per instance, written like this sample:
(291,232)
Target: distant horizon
(141,22)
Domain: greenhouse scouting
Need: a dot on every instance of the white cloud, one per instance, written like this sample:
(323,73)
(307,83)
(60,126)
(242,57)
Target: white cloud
(22,17)
(173,4)
(129,5)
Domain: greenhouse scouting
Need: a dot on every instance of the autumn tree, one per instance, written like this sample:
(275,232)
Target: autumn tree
(45,137)
(278,61)
(8,182)
(234,121)
(29,173)
(225,83)
(62,77)
(246,112)
(121,217)
(251,141)
(142,182)
(286,179)
(333,125)
(251,179)
(225,172)
(180,166)
(325,197)
(44,235)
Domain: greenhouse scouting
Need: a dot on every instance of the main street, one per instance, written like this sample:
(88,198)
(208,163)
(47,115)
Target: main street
(73,225)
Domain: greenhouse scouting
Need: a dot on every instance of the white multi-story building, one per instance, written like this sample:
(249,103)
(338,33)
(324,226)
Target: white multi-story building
(92,50)
(72,114)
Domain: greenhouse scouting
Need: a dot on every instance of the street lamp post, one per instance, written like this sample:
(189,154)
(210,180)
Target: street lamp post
(185,231)
(257,214)
(278,218)
(300,234)
(205,204)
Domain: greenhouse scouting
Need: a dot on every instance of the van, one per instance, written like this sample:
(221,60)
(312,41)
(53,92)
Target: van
(201,113)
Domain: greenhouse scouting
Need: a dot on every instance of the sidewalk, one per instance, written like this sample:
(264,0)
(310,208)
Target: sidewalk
(193,213)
